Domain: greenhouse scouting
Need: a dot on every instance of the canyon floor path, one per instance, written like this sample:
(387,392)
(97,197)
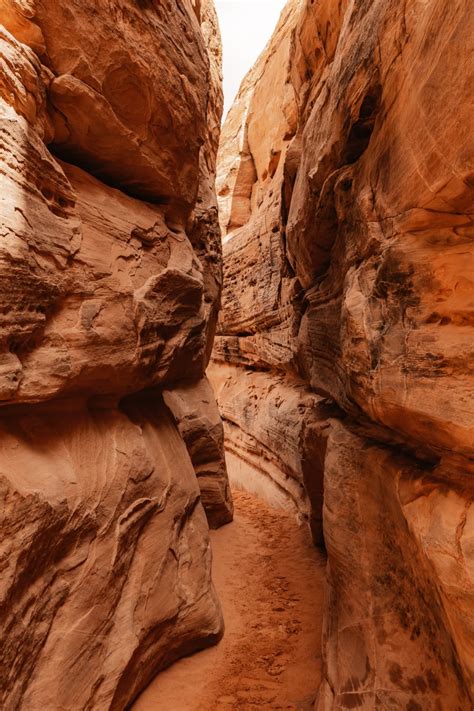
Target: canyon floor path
(270,580)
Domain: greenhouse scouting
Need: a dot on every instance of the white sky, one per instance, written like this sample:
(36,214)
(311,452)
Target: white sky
(246,27)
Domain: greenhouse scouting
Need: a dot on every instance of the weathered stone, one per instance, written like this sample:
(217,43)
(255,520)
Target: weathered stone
(388,639)
(381,221)
(109,290)
(100,522)
(346,194)
(195,411)
(134,115)
(269,424)
(259,318)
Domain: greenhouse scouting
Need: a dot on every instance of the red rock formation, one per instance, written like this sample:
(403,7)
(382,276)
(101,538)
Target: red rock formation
(110,277)
(195,411)
(345,178)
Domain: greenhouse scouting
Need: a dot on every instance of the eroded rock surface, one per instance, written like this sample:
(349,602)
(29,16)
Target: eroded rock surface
(196,413)
(345,347)
(110,278)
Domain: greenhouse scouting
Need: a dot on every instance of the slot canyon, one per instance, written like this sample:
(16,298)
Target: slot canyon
(237,360)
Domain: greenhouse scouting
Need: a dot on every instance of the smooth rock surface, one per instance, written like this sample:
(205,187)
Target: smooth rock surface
(388,635)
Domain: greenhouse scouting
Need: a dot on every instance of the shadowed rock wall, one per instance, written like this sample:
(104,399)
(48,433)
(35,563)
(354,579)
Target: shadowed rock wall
(343,361)
(110,278)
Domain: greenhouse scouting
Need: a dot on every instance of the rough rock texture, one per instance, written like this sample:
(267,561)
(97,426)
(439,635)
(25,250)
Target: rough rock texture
(345,179)
(110,277)
(105,555)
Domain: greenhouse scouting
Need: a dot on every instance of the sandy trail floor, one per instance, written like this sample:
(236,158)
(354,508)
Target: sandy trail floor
(270,581)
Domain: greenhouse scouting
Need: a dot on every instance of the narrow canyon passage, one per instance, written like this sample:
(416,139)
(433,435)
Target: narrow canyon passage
(281,305)
(270,580)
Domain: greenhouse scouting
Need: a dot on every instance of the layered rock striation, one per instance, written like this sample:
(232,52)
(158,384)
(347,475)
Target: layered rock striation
(110,278)
(343,360)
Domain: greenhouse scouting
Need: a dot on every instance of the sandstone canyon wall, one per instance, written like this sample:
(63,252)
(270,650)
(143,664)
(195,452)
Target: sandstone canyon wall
(110,278)
(344,356)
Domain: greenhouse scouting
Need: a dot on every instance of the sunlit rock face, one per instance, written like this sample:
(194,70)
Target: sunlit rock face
(110,278)
(345,347)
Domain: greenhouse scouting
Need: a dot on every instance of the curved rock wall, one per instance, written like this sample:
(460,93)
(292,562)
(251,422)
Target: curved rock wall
(110,278)
(343,361)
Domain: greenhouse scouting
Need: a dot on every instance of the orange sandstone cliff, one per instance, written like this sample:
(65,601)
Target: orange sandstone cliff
(344,356)
(110,278)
